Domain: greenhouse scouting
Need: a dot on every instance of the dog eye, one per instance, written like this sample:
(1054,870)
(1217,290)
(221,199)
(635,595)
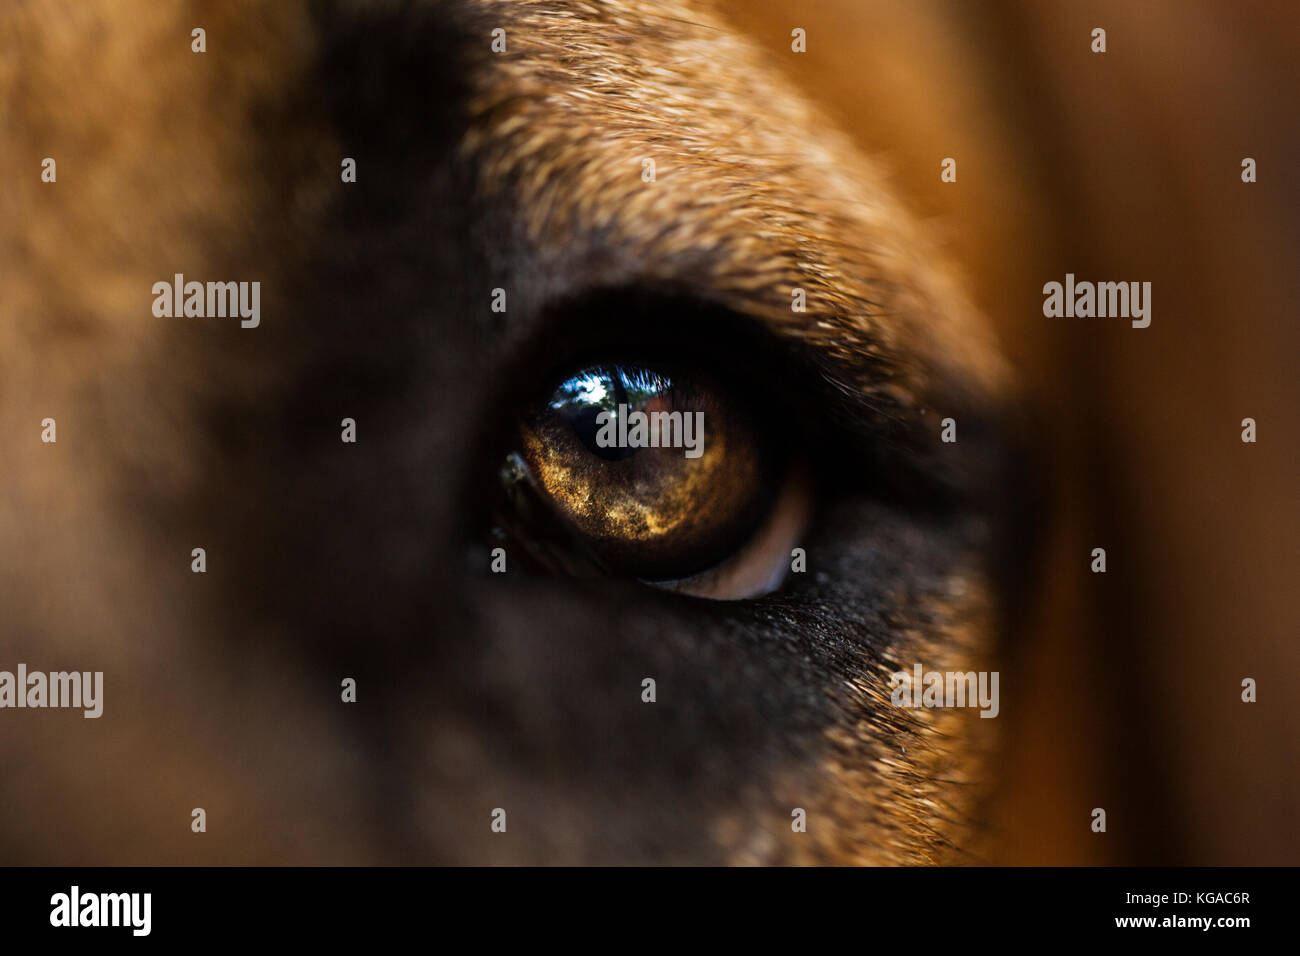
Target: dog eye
(659,474)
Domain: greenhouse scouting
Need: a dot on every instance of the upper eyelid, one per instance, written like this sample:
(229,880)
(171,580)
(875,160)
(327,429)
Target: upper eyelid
(870,440)
(668,325)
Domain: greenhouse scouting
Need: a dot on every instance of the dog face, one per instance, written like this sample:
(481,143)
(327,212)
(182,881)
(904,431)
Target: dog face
(622,186)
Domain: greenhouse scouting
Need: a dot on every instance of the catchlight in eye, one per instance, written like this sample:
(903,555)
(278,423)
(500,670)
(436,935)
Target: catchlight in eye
(660,475)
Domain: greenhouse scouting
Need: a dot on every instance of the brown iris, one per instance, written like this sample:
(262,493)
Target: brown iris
(658,477)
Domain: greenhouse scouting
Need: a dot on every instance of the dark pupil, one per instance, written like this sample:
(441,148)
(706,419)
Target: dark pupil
(582,397)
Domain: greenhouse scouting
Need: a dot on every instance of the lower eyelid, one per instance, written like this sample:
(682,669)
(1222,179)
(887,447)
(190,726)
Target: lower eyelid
(760,566)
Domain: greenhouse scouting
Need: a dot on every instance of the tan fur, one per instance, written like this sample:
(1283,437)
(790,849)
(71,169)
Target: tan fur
(152,168)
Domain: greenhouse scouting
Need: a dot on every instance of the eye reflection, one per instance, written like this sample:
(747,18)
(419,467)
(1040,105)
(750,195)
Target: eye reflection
(660,475)
(614,391)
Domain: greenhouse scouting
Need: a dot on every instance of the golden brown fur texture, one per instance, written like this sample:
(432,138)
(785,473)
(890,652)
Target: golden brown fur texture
(746,204)
(526,170)
(159,172)
(1123,164)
